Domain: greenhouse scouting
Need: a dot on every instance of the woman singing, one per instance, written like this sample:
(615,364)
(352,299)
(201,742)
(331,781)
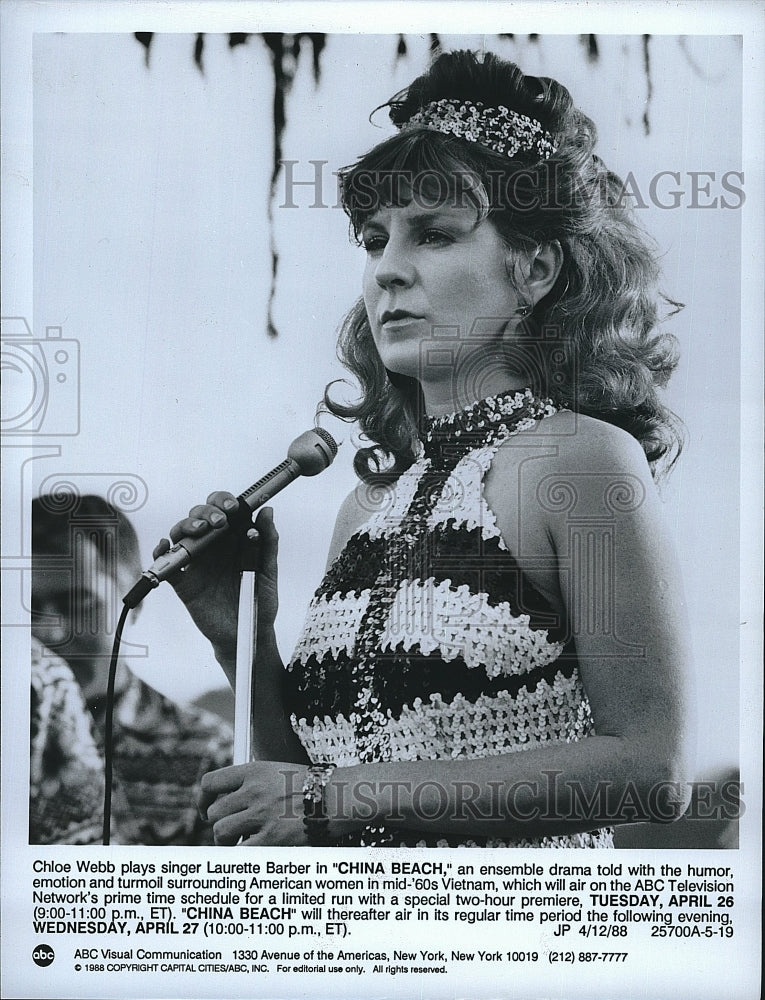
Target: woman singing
(497,655)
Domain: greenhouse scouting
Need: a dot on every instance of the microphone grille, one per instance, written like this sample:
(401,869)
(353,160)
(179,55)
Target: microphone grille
(328,439)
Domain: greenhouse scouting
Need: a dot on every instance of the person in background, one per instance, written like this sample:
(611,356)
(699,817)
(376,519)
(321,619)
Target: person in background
(85,555)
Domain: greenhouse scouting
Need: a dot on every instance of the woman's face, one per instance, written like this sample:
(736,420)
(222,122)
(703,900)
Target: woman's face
(436,288)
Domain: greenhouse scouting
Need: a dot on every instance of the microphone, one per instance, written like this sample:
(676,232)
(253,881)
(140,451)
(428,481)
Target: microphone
(308,455)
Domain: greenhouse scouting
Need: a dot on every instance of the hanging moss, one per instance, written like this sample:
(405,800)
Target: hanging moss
(697,69)
(285,57)
(318,41)
(648,84)
(511,37)
(237,38)
(199,47)
(285,51)
(590,42)
(144,37)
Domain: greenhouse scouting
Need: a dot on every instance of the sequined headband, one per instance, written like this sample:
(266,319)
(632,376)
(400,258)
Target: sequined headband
(500,129)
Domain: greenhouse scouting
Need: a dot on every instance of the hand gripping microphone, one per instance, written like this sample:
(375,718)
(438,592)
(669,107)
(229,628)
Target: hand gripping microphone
(308,455)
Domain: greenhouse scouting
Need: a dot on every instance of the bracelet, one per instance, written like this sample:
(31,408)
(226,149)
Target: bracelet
(315,818)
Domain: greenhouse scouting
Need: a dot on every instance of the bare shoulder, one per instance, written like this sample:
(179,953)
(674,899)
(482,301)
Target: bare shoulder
(570,465)
(359,505)
(588,443)
(570,442)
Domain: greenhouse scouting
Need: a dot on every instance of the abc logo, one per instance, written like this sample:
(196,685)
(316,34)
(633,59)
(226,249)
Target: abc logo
(43,955)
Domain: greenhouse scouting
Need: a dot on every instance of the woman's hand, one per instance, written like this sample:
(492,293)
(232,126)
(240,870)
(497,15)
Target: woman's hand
(209,586)
(259,804)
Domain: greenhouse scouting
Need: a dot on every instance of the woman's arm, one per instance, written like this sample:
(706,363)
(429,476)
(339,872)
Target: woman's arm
(209,588)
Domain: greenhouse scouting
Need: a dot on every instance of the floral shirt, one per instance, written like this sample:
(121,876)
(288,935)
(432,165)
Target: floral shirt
(161,752)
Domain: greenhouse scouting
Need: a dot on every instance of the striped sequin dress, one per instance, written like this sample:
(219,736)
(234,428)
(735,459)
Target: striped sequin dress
(425,641)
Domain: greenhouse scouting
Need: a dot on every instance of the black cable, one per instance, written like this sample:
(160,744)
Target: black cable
(108,725)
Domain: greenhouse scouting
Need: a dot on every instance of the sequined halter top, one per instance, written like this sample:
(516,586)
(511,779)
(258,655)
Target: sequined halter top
(425,640)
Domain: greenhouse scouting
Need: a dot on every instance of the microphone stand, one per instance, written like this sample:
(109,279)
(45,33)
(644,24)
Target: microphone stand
(247,622)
